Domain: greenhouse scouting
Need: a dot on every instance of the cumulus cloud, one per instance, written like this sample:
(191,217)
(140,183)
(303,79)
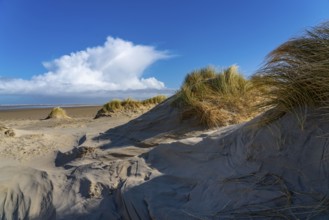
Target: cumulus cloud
(118,65)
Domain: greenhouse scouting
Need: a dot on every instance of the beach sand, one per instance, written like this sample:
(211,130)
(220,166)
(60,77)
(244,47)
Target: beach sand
(27,135)
(155,166)
(42,113)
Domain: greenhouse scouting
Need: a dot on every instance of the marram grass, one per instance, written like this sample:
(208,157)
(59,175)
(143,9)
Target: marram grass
(58,113)
(154,100)
(216,98)
(295,77)
(129,104)
(112,105)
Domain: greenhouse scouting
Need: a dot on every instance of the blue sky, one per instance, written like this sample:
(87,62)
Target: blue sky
(95,50)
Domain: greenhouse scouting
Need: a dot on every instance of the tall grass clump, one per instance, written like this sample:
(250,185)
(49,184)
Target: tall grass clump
(113,105)
(295,77)
(215,98)
(58,113)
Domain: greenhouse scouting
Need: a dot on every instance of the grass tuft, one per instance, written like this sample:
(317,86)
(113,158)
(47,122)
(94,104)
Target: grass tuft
(295,76)
(216,98)
(112,106)
(131,104)
(58,113)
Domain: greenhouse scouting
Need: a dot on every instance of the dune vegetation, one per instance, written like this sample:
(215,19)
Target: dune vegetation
(129,105)
(154,100)
(216,98)
(58,113)
(295,77)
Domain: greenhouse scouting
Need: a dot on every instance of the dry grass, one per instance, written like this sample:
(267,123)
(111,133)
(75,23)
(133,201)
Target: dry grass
(295,77)
(287,206)
(112,106)
(129,105)
(216,98)
(154,100)
(58,113)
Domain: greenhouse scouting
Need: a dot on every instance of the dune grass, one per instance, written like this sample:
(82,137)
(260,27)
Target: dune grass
(129,105)
(216,98)
(112,105)
(58,113)
(295,77)
(154,100)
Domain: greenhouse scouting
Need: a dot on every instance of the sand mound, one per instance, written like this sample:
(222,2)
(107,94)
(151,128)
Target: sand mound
(279,171)
(241,171)
(162,122)
(25,193)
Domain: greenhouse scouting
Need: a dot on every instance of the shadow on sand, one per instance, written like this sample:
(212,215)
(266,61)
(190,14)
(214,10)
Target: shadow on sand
(163,121)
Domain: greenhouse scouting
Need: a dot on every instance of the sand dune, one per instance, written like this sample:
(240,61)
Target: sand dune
(25,193)
(157,167)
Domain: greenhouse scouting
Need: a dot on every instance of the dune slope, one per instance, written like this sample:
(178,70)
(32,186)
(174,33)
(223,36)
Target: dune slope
(239,171)
(278,171)
(155,168)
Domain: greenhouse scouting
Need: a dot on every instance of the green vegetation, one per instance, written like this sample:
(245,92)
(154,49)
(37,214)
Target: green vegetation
(58,113)
(295,77)
(129,105)
(216,98)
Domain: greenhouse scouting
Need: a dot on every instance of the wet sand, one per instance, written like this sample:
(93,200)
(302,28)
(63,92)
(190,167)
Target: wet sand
(42,113)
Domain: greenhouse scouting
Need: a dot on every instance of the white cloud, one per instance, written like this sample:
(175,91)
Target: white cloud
(118,65)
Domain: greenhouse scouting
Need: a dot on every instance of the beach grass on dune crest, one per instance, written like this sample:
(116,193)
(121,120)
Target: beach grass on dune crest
(154,100)
(295,77)
(216,98)
(129,104)
(113,105)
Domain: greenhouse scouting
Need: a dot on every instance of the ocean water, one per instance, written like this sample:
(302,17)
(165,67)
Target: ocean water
(29,106)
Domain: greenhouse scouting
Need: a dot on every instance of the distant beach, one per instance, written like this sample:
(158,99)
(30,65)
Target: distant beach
(36,112)
(38,106)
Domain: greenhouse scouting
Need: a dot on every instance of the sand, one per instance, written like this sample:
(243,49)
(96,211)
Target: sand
(42,113)
(155,166)
(25,134)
